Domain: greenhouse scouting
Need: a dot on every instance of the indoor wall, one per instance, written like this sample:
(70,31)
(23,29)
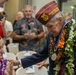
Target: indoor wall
(12,7)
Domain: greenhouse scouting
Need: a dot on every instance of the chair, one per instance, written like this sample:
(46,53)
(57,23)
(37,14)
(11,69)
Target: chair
(10,56)
(22,54)
(4,48)
(41,71)
(13,48)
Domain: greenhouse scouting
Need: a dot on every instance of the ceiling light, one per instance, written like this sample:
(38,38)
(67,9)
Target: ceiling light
(72,7)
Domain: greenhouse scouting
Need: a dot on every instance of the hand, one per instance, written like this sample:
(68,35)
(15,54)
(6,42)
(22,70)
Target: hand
(26,35)
(9,69)
(41,64)
(6,73)
(2,21)
(15,62)
(36,29)
(33,35)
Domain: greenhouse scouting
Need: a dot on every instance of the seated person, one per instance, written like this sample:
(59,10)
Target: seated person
(6,68)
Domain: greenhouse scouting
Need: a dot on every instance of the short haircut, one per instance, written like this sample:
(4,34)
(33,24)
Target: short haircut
(27,6)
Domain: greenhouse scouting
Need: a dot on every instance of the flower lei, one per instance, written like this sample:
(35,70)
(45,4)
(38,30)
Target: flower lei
(3,64)
(65,57)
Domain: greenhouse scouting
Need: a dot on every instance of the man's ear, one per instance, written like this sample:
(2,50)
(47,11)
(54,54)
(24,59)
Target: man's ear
(60,19)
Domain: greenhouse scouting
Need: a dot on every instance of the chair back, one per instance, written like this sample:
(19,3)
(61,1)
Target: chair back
(22,54)
(13,48)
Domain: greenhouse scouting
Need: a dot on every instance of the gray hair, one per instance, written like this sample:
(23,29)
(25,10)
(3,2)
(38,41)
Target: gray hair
(27,6)
(68,14)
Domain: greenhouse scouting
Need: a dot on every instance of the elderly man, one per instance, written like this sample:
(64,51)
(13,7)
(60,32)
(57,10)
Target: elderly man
(28,31)
(2,2)
(60,45)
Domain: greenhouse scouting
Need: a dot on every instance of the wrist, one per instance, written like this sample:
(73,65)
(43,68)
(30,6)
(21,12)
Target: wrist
(22,37)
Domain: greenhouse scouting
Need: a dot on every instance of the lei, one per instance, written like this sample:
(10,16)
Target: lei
(3,64)
(63,56)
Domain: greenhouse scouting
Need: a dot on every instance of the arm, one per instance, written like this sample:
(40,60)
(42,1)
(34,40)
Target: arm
(39,30)
(40,64)
(9,33)
(41,35)
(13,72)
(35,58)
(37,36)
(4,31)
(3,27)
(6,25)
(9,27)
(17,32)
(19,37)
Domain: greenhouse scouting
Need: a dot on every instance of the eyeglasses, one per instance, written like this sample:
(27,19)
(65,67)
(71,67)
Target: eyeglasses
(52,25)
